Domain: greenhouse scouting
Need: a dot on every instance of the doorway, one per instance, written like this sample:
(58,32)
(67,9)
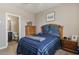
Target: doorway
(12,28)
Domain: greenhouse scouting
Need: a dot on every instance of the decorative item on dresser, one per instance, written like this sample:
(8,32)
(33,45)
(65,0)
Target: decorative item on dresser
(30,30)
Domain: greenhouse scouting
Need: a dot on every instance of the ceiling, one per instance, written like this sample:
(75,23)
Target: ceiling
(34,7)
(37,7)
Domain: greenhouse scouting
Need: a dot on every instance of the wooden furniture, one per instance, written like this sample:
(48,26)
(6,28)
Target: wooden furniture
(30,30)
(69,45)
(10,36)
(61,30)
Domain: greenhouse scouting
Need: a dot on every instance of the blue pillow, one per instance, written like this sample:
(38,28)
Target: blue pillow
(54,31)
(41,33)
(46,29)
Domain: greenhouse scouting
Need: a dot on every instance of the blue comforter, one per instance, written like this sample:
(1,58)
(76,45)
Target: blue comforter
(28,46)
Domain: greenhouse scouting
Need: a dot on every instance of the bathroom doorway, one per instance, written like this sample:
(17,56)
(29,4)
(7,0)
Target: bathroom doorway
(13,28)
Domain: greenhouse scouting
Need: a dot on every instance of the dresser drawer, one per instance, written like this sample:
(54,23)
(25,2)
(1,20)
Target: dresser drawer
(68,45)
(69,42)
(73,47)
(30,30)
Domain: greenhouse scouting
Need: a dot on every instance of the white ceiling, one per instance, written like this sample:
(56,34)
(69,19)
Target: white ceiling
(33,7)
(37,7)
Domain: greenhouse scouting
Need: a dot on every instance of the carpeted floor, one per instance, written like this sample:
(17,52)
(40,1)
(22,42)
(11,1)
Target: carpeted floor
(62,52)
(11,50)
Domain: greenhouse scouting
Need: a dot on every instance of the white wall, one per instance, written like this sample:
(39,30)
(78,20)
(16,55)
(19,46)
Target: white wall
(66,15)
(11,9)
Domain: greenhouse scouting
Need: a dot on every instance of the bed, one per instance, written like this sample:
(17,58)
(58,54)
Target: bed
(52,34)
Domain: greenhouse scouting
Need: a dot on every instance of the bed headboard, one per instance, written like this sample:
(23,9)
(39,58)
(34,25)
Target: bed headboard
(60,28)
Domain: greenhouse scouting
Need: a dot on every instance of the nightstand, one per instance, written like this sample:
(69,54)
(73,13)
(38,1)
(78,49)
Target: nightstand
(69,45)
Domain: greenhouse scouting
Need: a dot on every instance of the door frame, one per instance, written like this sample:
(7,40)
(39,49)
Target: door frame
(7,26)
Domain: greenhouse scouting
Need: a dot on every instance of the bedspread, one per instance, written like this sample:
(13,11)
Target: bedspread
(28,46)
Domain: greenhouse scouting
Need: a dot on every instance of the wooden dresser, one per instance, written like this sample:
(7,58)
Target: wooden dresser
(69,45)
(30,30)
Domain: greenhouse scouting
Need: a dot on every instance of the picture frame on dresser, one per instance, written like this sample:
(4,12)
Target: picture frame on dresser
(74,37)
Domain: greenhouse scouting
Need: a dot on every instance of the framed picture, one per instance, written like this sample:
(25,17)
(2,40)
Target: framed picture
(29,23)
(51,17)
(74,37)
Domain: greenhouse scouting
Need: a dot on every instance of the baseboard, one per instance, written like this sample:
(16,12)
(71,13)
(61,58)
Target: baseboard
(4,47)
